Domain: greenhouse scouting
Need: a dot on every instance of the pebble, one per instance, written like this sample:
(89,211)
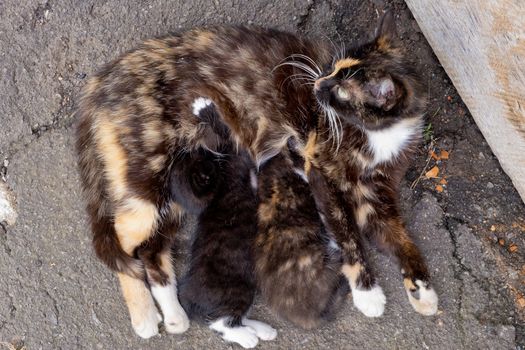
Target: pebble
(490,185)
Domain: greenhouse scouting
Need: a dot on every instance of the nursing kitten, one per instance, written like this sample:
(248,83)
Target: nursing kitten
(298,265)
(136,119)
(219,285)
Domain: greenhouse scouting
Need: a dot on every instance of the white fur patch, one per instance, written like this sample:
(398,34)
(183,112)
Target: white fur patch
(301,174)
(149,325)
(387,144)
(175,319)
(199,104)
(245,336)
(427,304)
(333,244)
(262,330)
(253,180)
(370,302)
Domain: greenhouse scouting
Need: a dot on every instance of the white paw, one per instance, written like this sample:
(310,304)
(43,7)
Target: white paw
(427,303)
(243,335)
(262,330)
(370,302)
(177,322)
(175,319)
(199,104)
(148,326)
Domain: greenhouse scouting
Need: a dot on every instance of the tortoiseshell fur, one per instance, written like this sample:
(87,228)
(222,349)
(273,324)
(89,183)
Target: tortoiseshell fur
(135,120)
(298,270)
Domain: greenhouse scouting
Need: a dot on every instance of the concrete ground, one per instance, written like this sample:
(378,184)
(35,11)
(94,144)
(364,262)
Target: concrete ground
(54,294)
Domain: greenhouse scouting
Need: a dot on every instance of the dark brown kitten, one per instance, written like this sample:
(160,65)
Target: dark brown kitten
(297,262)
(219,285)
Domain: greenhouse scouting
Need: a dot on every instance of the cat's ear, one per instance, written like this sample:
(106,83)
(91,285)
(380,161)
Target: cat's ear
(384,93)
(386,28)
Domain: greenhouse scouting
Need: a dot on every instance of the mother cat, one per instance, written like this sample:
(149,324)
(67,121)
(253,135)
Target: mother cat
(355,129)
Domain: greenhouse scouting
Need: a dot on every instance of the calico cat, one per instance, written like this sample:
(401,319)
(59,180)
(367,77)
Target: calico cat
(220,285)
(297,262)
(135,119)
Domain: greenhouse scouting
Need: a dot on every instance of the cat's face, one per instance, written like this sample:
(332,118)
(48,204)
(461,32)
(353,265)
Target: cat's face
(372,86)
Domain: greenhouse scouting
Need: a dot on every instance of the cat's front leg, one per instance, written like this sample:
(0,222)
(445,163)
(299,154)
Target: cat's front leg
(367,295)
(381,221)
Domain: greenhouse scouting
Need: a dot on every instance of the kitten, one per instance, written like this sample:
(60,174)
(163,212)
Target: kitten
(135,119)
(298,265)
(219,285)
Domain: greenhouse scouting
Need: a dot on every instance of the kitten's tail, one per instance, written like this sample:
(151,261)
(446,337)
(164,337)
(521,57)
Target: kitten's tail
(337,299)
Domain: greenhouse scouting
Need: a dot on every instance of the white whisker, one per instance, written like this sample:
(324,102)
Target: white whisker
(308,59)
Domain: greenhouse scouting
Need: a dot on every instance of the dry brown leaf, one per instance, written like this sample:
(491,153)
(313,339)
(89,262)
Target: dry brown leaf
(443,181)
(432,173)
(444,154)
(521,302)
(439,188)
(434,155)
(513,248)
(501,242)
(493,228)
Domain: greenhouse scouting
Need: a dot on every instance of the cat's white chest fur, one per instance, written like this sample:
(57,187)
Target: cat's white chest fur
(387,144)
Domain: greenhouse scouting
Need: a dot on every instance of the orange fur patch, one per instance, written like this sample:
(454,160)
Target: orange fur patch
(309,151)
(115,158)
(135,222)
(352,273)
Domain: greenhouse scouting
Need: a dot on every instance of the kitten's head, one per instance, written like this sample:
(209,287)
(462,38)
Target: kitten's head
(194,180)
(373,85)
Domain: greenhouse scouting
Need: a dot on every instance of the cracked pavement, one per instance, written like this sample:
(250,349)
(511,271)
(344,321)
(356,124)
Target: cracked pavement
(54,293)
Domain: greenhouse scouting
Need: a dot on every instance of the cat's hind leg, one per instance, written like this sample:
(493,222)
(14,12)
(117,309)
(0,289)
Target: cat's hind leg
(135,222)
(243,335)
(156,255)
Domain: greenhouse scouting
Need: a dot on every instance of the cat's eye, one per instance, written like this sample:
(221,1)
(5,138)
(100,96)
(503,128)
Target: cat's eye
(343,94)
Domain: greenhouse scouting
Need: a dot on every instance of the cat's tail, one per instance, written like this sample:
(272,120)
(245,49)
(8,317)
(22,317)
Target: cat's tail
(108,249)
(105,241)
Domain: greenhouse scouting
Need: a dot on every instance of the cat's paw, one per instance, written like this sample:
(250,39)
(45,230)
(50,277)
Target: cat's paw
(422,297)
(177,323)
(262,330)
(244,336)
(147,324)
(370,302)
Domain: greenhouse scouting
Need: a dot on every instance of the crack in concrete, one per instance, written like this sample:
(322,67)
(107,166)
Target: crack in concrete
(303,19)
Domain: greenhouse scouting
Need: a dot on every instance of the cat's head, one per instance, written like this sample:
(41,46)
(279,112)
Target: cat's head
(371,85)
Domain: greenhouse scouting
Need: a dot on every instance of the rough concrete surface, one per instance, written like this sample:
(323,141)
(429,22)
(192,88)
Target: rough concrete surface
(54,294)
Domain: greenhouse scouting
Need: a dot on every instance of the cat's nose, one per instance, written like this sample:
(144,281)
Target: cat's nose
(324,84)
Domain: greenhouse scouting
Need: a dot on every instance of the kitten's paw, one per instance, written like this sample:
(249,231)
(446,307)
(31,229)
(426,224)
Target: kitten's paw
(422,297)
(243,335)
(370,302)
(177,322)
(148,325)
(262,330)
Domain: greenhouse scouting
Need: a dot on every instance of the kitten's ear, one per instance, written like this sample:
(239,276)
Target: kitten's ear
(386,28)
